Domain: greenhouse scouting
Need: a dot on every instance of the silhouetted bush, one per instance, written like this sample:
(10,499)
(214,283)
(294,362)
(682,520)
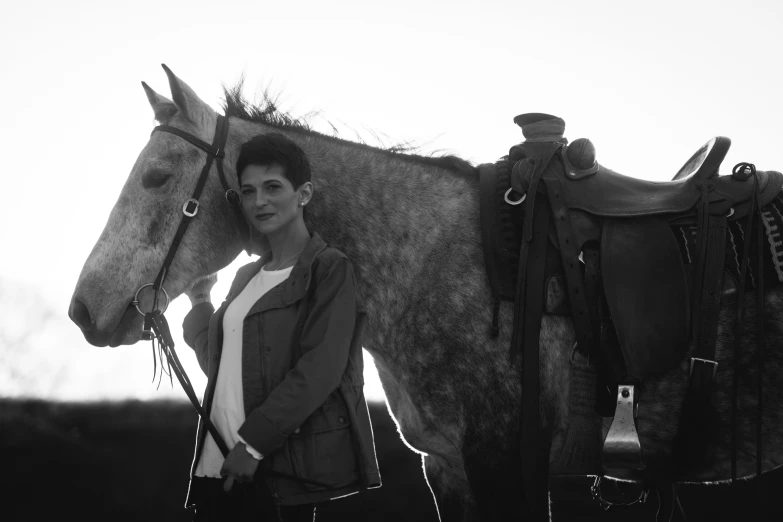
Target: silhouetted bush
(129,461)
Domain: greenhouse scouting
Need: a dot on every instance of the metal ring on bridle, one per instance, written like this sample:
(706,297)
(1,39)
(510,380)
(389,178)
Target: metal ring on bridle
(135,301)
(233,197)
(505,196)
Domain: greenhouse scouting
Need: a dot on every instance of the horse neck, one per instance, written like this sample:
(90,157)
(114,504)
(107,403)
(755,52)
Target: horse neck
(390,213)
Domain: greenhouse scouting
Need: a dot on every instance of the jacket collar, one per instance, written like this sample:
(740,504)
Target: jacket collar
(305,260)
(299,272)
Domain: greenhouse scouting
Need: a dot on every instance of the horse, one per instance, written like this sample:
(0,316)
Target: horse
(410,225)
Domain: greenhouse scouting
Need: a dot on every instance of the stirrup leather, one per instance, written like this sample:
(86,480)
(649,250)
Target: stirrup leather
(622,449)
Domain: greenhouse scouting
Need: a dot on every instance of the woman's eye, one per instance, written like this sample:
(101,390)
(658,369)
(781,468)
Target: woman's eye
(247,192)
(154,179)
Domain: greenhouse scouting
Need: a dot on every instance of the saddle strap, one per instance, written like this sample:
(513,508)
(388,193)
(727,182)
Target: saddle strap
(711,241)
(569,251)
(488,179)
(690,447)
(593,289)
(754,207)
(529,308)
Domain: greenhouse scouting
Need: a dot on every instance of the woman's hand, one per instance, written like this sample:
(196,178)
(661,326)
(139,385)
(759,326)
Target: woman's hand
(239,465)
(199,292)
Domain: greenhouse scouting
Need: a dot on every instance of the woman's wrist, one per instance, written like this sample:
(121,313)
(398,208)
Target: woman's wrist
(201,297)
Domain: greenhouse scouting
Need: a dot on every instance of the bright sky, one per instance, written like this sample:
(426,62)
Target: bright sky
(647,82)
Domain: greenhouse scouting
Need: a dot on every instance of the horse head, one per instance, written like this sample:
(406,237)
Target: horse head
(131,250)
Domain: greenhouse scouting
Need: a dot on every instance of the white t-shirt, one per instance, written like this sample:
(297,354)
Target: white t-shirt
(228,405)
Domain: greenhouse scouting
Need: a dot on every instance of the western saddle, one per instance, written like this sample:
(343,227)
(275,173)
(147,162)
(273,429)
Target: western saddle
(636,305)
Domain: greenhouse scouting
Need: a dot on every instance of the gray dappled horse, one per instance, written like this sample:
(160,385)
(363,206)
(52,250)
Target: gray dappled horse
(410,225)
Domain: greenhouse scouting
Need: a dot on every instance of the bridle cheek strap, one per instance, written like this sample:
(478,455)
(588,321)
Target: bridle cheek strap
(190,207)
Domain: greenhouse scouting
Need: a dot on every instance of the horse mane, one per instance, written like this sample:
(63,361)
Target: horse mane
(268,113)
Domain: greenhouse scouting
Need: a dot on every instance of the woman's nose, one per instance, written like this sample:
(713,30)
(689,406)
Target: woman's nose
(260,200)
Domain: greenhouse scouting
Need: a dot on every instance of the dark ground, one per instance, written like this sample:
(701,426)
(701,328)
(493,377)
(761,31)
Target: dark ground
(129,461)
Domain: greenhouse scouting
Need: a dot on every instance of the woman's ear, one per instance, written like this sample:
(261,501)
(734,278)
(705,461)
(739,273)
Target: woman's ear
(305,193)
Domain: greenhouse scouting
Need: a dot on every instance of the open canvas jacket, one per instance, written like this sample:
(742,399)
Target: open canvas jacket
(302,376)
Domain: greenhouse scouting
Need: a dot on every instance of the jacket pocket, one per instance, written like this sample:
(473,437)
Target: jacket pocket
(322,448)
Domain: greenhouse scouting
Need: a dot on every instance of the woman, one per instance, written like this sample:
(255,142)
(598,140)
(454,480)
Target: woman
(283,359)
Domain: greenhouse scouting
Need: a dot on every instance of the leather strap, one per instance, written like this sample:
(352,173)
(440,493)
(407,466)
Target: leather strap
(534,449)
(569,250)
(689,447)
(747,232)
(593,288)
(161,328)
(488,178)
(528,311)
(759,340)
(216,149)
(213,151)
(761,491)
(524,253)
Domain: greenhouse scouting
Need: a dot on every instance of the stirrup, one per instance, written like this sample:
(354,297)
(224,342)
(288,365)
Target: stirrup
(622,449)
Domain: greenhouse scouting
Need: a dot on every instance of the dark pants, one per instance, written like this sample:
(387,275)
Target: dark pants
(250,502)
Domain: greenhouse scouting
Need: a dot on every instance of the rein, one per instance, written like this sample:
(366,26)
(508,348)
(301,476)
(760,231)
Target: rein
(155,324)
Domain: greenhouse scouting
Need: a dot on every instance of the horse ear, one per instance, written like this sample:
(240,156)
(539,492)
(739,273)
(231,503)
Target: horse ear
(186,100)
(163,107)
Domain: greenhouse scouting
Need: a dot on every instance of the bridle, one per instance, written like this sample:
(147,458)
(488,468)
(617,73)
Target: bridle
(216,153)
(155,324)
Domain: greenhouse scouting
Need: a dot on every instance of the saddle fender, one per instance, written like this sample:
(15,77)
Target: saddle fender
(647,293)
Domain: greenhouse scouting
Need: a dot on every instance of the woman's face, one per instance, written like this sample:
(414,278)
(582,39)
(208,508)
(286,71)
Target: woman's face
(269,201)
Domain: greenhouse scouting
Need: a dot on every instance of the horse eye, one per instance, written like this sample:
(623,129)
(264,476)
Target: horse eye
(154,179)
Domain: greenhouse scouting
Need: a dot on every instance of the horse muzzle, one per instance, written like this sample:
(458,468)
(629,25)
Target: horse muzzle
(126,330)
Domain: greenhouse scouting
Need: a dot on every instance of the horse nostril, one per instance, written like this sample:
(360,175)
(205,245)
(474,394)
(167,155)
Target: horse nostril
(80,315)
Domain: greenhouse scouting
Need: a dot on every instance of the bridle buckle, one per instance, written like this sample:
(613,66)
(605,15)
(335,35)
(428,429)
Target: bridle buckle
(190,208)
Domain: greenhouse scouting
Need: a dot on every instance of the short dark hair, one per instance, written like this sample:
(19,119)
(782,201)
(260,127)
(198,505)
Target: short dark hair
(274,148)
